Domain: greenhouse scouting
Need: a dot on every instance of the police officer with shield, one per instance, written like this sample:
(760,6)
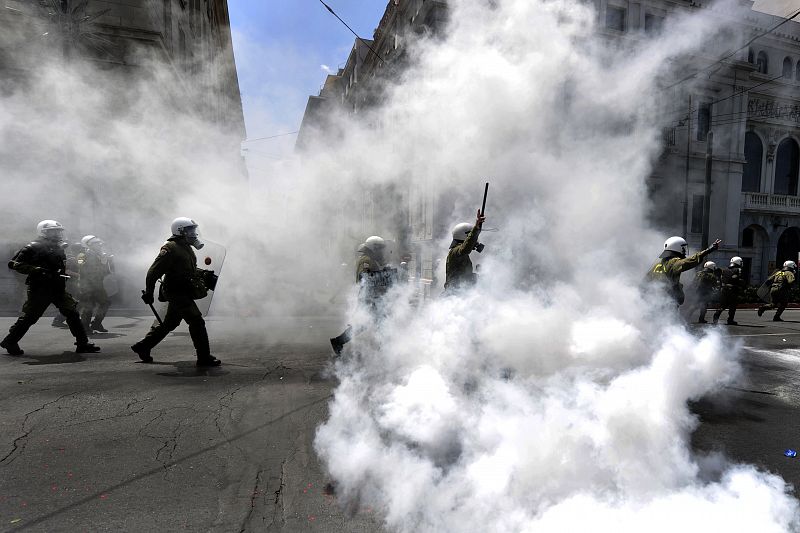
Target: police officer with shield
(94,264)
(44,262)
(183,284)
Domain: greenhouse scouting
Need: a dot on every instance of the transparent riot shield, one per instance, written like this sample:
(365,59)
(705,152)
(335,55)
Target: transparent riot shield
(210,257)
(111,284)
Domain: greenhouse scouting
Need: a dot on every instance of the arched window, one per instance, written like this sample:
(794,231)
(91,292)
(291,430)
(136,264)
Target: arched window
(762,63)
(787,68)
(787,167)
(753,153)
(748,236)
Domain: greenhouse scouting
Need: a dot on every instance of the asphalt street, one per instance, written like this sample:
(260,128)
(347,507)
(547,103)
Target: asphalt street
(101,442)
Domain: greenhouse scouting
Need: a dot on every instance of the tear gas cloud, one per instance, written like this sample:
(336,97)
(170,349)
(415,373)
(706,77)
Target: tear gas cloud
(552,397)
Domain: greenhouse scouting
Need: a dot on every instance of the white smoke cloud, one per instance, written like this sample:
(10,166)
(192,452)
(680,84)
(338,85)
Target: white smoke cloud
(554,396)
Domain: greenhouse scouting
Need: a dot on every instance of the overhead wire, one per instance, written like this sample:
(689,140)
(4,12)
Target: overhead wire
(376,54)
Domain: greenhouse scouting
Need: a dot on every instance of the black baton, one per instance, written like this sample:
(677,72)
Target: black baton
(483,206)
(153,309)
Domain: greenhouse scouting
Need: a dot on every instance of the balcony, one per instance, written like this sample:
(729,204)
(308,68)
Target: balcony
(770,203)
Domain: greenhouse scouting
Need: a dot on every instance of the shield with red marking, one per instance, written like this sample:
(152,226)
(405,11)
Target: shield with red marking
(209,258)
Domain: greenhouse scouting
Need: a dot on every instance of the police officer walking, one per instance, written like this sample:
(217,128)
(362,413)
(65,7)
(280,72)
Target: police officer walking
(183,283)
(779,291)
(673,262)
(374,279)
(458,269)
(707,283)
(732,284)
(44,262)
(94,264)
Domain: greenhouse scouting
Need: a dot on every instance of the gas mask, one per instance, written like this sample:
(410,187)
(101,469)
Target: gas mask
(193,237)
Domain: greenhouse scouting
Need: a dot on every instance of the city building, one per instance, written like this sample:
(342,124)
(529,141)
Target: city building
(751,105)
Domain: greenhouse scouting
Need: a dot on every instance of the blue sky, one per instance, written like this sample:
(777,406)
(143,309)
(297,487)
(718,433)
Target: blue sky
(280,47)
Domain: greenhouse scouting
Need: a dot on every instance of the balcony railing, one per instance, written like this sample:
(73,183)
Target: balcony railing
(757,201)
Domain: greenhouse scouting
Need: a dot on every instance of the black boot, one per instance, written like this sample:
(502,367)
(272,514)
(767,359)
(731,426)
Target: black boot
(86,347)
(98,326)
(761,309)
(143,352)
(208,360)
(11,347)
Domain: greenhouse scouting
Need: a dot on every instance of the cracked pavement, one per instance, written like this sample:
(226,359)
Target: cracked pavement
(101,442)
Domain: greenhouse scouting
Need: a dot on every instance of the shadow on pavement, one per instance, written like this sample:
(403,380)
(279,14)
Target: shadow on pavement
(188,369)
(60,359)
(107,335)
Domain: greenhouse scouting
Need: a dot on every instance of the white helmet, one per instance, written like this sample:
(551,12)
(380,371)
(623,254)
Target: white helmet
(50,229)
(791,265)
(710,264)
(375,243)
(461,231)
(186,227)
(676,244)
(86,240)
(736,260)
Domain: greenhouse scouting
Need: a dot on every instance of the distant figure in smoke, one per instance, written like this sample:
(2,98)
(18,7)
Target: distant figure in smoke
(731,285)
(44,262)
(183,284)
(458,269)
(72,283)
(707,284)
(94,264)
(374,279)
(673,262)
(782,281)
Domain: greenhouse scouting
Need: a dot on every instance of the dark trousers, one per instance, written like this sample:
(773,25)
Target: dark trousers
(178,310)
(727,300)
(93,303)
(39,299)
(779,303)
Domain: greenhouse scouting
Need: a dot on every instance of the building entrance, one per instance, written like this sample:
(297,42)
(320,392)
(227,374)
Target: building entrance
(788,246)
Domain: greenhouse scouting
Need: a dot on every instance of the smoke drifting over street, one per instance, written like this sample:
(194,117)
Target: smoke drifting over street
(554,396)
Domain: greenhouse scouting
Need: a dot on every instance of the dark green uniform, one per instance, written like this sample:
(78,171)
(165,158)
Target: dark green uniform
(731,285)
(177,263)
(707,284)
(458,268)
(779,293)
(92,298)
(668,271)
(44,262)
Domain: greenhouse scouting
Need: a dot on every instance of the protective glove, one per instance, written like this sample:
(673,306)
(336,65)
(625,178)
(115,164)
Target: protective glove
(147,297)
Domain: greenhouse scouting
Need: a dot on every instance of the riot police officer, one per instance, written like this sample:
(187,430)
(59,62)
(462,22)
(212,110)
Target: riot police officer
(458,269)
(94,264)
(183,283)
(732,284)
(374,279)
(782,281)
(706,282)
(44,262)
(673,262)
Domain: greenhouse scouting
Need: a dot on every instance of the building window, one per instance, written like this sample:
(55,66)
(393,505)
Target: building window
(653,23)
(748,236)
(753,155)
(762,63)
(703,121)
(697,213)
(750,57)
(797,72)
(787,68)
(787,165)
(615,18)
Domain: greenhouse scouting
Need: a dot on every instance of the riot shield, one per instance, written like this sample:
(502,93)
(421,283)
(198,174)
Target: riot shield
(111,284)
(763,291)
(210,257)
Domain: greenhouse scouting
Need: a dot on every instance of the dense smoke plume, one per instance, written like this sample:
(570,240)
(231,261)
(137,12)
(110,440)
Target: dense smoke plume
(554,396)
